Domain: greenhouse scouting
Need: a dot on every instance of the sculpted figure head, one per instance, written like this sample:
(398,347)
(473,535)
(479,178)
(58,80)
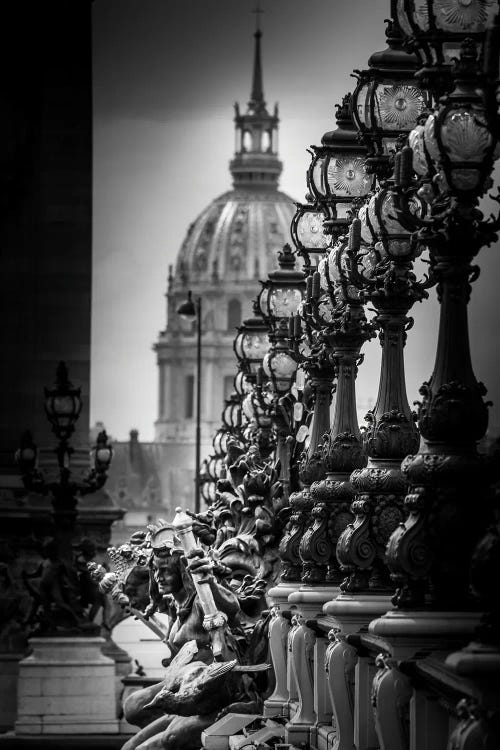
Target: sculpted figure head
(166,572)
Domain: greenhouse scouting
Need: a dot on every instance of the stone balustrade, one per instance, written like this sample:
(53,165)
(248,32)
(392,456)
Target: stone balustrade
(362,675)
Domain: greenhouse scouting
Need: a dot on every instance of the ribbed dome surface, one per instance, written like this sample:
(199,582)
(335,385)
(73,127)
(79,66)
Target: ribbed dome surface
(236,238)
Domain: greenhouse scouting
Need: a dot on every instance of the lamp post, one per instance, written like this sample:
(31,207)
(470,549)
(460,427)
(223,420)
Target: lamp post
(60,610)
(189,310)
(279,298)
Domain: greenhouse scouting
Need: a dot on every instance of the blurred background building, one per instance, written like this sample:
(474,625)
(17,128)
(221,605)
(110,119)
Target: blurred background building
(230,246)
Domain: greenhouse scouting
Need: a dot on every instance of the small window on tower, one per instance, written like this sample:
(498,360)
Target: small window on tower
(233,314)
(247,141)
(266,141)
(189,397)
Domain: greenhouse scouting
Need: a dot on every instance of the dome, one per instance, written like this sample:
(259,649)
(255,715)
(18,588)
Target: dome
(237,237)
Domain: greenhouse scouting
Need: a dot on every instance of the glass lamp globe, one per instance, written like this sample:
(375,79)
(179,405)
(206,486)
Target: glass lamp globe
(308,232)
(435,28)
(63,404)
(391,235)
(315,173)
(283,290)
(251,344)
(220,442)
(102,453)
(241,384)
(458,138)
(280,367)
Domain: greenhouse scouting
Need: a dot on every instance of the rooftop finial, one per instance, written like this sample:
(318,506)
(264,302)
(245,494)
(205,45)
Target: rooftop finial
(258,12)
(257,96)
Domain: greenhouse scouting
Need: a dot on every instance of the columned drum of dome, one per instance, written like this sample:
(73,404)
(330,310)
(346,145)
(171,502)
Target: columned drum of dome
(230,246)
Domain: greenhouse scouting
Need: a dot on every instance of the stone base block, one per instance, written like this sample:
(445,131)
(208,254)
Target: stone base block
(66,685)
(326,738)
(9,671)
(276,708)
(298,734)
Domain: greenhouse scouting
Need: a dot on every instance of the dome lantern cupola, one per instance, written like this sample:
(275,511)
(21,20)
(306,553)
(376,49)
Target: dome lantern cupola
(256,162)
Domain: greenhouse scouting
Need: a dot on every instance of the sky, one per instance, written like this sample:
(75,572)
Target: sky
(166,76)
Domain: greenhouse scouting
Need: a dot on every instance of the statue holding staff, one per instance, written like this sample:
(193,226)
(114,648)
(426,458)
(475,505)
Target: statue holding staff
(204,675)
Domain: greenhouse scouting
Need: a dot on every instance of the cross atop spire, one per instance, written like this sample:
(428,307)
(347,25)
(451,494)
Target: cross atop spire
(257,102)
(258,12)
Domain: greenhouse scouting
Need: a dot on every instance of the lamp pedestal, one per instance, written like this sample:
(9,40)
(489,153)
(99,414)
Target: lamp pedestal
(66,686)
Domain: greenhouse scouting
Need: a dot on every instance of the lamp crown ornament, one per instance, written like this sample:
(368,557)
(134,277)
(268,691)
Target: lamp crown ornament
(63,404)
(286,257)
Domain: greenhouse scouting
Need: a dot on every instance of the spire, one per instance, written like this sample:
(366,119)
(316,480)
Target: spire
(256,164)
(257,102)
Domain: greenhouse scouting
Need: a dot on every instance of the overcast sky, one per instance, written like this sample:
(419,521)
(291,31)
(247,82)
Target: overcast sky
(166,75)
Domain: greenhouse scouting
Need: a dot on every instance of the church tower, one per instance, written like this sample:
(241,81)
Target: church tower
(230,246)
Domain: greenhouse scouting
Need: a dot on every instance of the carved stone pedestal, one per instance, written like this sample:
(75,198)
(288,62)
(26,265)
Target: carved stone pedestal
(354,612)
(66,686)
(478,726)
(349,672)
(407,633)
(404,636)
(123,667)
(9,670)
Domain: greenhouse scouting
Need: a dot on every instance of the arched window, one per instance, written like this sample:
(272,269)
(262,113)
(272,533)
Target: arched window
(247,141)
(233,314)
(266,141)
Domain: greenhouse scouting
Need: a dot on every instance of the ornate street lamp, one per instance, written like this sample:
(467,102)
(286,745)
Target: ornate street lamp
(281,293)
(190,310)
(251,345)
(342,450)
(387,102)
(379,259)
(456,144)
(459,141)
(63,404)
(311,351)
(337,176)
(62,612)
(434,30)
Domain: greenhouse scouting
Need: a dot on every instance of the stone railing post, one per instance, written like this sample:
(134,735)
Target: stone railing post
(277,703)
